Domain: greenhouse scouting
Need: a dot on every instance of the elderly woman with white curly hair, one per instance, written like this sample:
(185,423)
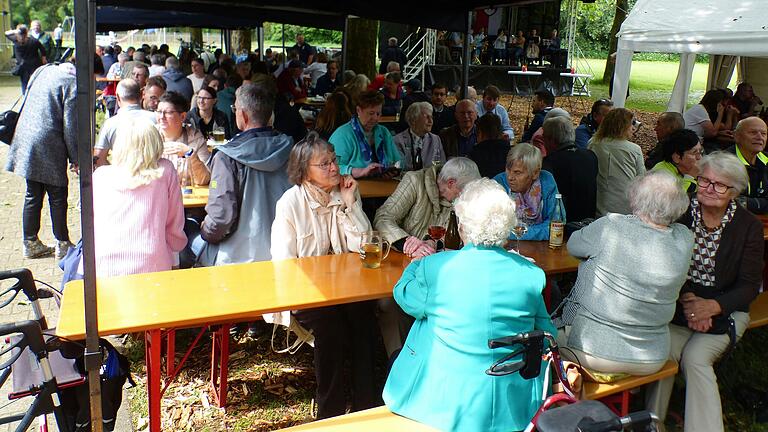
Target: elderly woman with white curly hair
(460,299)
(625,294)
(419,148)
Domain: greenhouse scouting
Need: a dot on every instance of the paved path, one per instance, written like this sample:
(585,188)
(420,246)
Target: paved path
(12,188)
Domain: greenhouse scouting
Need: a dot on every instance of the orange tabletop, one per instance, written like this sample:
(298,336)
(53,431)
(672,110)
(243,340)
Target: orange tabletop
(371,420)
(377,188)
(198,197)
(552,261)
(230,293)
(109,80)
(389,119)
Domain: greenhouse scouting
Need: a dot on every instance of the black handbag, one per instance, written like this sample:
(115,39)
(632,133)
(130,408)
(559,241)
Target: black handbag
(8,120)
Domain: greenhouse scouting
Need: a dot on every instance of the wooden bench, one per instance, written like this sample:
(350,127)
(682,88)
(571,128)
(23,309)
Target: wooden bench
(379,419)
(618,391)
(758,311)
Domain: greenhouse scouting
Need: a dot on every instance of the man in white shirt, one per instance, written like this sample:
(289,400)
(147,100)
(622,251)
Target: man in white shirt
(198,74)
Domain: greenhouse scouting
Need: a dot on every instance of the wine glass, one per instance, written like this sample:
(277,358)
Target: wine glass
(436,232)
(521,225)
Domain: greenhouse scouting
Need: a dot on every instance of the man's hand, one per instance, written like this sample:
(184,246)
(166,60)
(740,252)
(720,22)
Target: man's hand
(416,248)
(372,168)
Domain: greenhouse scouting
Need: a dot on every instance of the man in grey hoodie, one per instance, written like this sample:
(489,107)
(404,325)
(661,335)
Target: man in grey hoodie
(248,176)
(176,79)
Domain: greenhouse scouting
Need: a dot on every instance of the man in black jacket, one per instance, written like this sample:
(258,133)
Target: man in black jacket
(543,101)
(443,116)
(392,53)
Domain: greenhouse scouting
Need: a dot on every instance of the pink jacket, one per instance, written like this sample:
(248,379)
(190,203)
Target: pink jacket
(137,230)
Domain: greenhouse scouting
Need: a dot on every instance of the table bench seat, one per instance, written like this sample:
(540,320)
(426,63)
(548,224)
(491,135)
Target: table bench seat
(758,311)
(379,419)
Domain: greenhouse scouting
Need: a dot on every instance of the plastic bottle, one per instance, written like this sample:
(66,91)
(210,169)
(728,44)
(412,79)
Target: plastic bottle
(452,238)
(185,176)
(557,224)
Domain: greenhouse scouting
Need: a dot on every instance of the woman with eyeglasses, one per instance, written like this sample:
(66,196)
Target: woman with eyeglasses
(724,277)
(619,161)
(205,117)
(321,215)
(180,140)
(682,151)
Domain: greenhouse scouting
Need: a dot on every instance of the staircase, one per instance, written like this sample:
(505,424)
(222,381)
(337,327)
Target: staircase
(419,48)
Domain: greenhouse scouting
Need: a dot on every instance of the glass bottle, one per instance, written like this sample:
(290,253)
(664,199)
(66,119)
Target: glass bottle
(185,176)
(557,224)
(452,238)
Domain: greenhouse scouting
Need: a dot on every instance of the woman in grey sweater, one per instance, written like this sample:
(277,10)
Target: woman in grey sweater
(625,293)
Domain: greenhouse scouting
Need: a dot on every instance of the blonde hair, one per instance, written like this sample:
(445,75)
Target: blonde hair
(137,150)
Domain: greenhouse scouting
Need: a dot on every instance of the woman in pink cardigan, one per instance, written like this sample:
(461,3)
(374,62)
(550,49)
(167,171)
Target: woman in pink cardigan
(138,213)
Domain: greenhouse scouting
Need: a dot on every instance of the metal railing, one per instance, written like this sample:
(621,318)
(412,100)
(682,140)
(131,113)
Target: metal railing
(419,48)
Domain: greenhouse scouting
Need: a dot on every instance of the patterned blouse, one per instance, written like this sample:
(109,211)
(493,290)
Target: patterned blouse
(706,243)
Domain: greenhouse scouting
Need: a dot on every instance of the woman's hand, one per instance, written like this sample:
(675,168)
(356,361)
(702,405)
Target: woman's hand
(417,249)
(175,148)
(697,308)
(348,186)
(701,326)
(720,109)
(372,168)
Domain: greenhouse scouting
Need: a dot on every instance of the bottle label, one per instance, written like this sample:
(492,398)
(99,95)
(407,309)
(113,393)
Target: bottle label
(556,234)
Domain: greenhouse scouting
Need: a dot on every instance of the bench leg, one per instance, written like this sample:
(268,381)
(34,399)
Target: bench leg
(170,353)
(152,346)
(219,364)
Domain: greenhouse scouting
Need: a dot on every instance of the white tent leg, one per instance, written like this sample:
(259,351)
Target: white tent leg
(678,101)
(621,77)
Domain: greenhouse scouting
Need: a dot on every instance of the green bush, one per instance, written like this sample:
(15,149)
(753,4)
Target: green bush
(314,36)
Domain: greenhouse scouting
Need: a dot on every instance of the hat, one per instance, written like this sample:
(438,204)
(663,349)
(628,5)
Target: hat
(414,84)
(295,64)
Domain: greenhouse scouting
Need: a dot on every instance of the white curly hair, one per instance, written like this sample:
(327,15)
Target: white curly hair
(486,213)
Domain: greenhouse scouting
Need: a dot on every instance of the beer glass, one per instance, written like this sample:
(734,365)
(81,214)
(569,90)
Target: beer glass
(372,249)
(218,134)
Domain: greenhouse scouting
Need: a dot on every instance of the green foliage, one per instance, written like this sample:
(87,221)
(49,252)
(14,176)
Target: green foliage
(49,12)
(314,36)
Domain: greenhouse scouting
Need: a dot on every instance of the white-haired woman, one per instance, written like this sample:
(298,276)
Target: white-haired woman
(625,294)
(532,189)
(138,214)
(321,215)
(723,279)
(460,299)
(419,147)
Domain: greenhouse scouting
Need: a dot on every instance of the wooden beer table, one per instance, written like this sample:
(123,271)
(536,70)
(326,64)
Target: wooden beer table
(369,188)
(222,295)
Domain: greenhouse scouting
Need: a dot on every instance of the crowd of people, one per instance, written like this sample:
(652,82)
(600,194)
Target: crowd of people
(503,48)
(647,290)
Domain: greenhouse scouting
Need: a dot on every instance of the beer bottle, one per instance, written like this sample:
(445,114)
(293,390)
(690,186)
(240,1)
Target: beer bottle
(557,224)
(452,238)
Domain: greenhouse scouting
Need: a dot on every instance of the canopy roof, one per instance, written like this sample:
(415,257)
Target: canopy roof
(732,27)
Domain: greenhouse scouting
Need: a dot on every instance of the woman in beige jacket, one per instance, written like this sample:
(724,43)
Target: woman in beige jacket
(322,214)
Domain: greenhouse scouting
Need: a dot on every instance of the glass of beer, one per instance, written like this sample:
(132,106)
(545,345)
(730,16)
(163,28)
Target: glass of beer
(373,249)
(218,134)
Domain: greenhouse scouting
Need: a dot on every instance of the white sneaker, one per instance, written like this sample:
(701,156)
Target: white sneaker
(36,249)
(62,247)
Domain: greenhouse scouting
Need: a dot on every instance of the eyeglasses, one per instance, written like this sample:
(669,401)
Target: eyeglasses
(326,166)
(166,113)
(704,183)
(695,152)
(205,98)
(233,108)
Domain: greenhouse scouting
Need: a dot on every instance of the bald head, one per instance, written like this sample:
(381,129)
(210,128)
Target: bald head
(750,135)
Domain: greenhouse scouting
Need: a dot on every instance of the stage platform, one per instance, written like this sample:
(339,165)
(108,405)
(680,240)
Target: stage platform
(482,76)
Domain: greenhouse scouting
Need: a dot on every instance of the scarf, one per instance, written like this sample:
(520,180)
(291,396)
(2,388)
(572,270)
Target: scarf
(530,202)
(322,197)
(365,148)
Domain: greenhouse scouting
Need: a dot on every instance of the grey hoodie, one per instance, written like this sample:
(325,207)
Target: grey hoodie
(248,176)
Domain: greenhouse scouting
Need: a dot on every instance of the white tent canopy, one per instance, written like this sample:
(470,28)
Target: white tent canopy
(727,27)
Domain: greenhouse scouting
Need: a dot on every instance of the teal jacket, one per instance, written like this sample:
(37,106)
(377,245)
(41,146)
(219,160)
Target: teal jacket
(460,300)
(348,151)
(539,231)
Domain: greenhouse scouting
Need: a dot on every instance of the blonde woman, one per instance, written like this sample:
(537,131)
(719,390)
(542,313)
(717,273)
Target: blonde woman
(138,213)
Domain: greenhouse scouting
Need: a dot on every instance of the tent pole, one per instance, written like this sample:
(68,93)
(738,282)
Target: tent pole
(465,65)
(260,37)
(85,35)
(282,32)
(344,47)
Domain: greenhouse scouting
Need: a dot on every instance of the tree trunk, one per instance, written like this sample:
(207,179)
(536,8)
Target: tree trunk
(618,19)
(361,46)
(241,41)
(196,36)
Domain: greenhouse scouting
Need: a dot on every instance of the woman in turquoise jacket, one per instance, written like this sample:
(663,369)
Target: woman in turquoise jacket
(531,188)
(460,300)
(364,148)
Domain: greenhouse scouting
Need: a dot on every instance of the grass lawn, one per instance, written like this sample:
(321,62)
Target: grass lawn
(650,83)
